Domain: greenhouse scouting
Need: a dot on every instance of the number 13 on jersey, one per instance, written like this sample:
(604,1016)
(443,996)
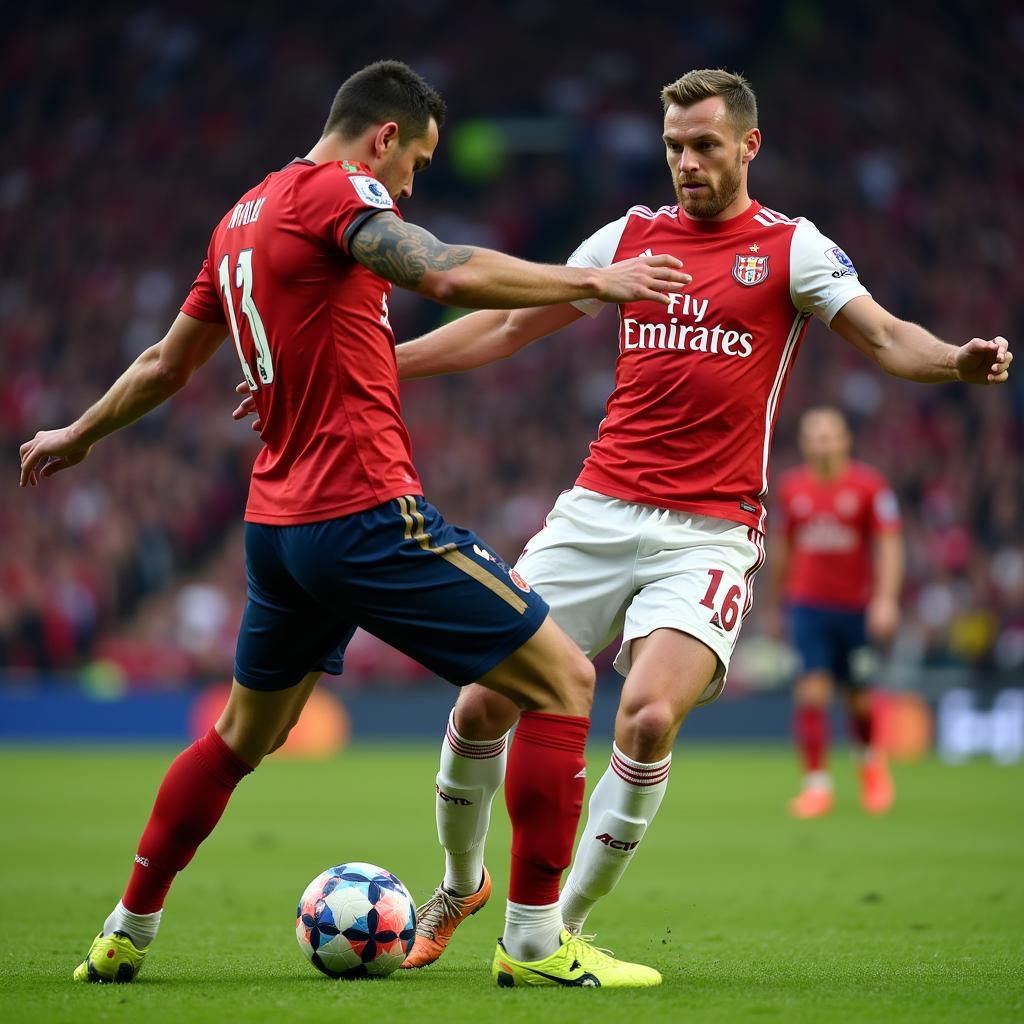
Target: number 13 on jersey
(243,280)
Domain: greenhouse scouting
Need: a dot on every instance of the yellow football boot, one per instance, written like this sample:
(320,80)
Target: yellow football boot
(114,958)
(576,963)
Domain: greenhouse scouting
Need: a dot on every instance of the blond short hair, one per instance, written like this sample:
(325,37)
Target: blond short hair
(694,86)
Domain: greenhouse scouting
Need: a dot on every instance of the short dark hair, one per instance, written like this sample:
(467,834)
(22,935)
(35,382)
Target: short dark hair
(735,90)
(386,90)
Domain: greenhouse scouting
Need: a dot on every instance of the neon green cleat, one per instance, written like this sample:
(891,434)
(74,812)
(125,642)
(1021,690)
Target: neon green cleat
(576,963)
(113,958)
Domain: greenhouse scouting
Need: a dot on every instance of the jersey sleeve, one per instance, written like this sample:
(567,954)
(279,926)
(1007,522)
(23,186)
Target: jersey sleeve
(822,277)
(203,300)
(782,509)
(336,205)
(597,251)
(885,510)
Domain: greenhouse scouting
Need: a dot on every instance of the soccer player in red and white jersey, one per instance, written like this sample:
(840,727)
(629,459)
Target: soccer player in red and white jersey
(837,562)
(338,535)
(663,532)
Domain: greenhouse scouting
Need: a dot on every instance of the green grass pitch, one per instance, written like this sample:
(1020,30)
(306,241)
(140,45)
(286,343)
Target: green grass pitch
(749,916)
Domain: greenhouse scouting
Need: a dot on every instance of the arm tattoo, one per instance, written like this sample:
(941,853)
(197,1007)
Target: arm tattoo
(402,252)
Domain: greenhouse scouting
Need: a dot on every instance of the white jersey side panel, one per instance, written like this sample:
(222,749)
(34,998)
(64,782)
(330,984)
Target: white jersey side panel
(597,251)
(822,279)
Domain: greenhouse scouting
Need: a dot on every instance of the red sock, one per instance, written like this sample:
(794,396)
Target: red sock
(862,726)
(190,801)
(810,729)
(544,787)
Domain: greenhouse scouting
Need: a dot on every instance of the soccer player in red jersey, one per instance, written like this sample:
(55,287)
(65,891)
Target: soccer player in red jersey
(663,533)
(338,535)
(838,564)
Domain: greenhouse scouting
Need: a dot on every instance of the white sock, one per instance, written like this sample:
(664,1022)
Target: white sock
(141,928)
(622,807)
(470,773)
(818,780)
(532,933)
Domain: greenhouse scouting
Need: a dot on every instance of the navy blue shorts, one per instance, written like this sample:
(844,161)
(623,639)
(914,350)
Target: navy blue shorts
(832,640)
(433,591)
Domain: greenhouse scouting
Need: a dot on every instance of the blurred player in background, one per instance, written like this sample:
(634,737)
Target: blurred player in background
(837,563)
(338,535)
(663,533)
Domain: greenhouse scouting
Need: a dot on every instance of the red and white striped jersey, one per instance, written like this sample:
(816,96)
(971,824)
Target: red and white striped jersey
(698,382)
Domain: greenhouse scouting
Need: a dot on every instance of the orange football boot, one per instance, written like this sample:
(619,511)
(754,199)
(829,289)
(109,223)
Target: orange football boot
(813,802)
(438,918)
(877,793)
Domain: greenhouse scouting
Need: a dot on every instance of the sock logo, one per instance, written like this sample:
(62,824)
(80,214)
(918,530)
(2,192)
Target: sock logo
(616,844)
(142,861)
(459,801)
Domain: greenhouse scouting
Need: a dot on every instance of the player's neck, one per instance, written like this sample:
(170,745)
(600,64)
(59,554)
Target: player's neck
(333,147)
(829,469)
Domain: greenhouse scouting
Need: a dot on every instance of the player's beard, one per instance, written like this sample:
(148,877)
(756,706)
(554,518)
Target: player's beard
(712,200)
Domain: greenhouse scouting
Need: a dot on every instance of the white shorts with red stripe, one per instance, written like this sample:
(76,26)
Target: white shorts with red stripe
(607,566)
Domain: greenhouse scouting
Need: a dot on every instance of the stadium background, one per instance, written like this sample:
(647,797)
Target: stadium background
(128,130)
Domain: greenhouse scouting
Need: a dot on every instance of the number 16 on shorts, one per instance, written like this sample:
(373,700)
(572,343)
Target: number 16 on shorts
(725,613)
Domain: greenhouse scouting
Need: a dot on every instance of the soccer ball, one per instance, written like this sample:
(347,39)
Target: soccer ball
(356,921)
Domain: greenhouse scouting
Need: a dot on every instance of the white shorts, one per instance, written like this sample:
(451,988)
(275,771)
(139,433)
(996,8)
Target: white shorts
(605,566)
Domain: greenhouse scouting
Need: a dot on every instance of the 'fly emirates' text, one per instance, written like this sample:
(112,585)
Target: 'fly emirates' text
(692,336)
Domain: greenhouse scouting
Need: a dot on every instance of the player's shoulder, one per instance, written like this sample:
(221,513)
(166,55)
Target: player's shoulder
(769,218)
(793,479)
(343,181)
(646,213)
(867,476)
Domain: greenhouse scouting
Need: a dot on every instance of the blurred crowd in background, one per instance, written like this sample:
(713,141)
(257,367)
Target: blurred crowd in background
(129,131)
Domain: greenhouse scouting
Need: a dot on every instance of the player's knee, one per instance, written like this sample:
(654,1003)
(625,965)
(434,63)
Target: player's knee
(575,684)
(650,729)
(481,714)
(814,688)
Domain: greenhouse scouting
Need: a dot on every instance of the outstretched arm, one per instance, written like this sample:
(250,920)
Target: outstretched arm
(909,351)
(883,612)
(480,338)
(462,275)
(156,374)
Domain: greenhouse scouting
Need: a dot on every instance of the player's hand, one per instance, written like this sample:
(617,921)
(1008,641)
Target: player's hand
(983,361)
(247,407)
(883,616)
(648,278)
(49,452)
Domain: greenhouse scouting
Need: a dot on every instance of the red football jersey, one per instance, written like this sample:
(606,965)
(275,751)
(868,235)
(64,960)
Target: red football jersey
(830,526)
(698,382)
(311,328)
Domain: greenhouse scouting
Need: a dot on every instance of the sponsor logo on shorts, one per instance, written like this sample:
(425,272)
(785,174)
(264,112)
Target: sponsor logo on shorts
(617,844)
(142,861)
(459,801)
(519,581)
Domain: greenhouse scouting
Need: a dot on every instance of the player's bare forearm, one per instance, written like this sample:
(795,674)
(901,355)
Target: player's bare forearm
(883,611)
(155,375)
(909,351)
(462,275)
(888,567)
(473,340)
(478,339)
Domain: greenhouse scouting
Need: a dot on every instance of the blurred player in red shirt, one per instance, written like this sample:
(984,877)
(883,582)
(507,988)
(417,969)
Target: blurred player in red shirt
(661,536)
(838,566)
(338,535)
